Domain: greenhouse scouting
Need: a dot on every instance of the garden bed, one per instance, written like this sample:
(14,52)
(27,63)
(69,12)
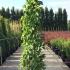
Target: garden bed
(62,48)
(49,35)
(59,42)
(7,47)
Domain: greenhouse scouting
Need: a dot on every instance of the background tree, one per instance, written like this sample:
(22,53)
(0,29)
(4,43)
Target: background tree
(13,15)
(60,23)
(0,12)
(21,13)
(68,25)
(3,26)
(46,18)
(42,19)
(51,15)
(7,13)
(56,22)
(64,19)
(17,15)
(3,12)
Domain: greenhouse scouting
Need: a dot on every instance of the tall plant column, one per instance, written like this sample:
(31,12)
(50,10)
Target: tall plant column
(32,57)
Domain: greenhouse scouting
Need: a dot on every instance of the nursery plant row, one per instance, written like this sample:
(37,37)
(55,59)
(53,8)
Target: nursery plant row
(7,47)
(49,35)
(9,38)
(62,48)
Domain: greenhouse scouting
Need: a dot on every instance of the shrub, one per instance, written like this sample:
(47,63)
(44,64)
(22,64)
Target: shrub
(66,48)
(57,43)
(8,42)
(63,45)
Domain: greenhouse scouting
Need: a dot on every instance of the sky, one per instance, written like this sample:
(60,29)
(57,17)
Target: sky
(54,4)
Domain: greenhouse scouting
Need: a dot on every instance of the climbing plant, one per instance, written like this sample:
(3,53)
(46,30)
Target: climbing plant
(32,57)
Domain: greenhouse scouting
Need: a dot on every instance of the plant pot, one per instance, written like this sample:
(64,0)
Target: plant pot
(63,56)
(56,50)
(67,62)
(59,53)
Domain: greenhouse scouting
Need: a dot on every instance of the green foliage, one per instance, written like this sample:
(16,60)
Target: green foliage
(68,26)
(7,13)
(51,23)
(65,20)
(3,12)
(13,14)
(66,48)
(54,21)
(63,45)
(57,43)
(3,27)
(42,19)
(32,58)
(46,18)
(8,41)
(60,23)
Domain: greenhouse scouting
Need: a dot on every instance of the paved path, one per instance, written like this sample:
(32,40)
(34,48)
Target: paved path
(53,61)
(12,62)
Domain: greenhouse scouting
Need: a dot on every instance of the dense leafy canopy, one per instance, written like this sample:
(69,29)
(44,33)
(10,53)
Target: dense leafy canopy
(32,58)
